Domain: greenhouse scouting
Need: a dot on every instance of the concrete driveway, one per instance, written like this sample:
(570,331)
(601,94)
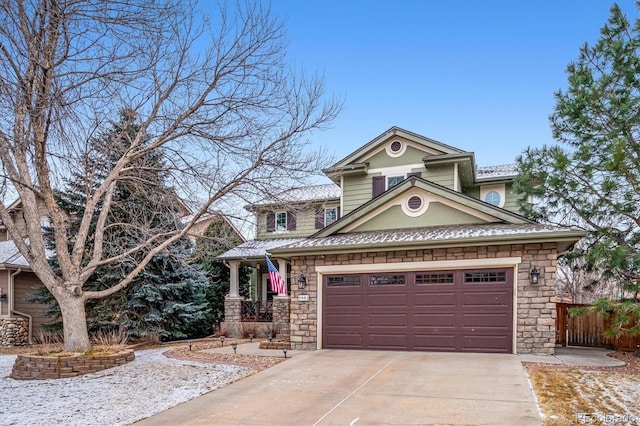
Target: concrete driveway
(331,387)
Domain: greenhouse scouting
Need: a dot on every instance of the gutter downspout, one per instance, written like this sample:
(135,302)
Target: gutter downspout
(11,286)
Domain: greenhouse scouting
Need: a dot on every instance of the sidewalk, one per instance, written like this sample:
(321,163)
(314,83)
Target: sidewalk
(574,355)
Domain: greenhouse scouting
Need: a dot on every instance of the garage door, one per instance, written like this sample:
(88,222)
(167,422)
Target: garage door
(454,311)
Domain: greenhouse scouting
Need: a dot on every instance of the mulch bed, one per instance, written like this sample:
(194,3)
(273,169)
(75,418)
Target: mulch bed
(255,362)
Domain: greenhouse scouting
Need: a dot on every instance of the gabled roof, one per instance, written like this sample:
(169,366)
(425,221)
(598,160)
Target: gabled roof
(501,172)
(10,256)
(306,194)
(482,208)
(354,158)
(212,216)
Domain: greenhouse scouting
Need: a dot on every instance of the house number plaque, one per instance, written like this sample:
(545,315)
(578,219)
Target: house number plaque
(303,297)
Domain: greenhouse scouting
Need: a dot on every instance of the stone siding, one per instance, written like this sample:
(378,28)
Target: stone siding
(14,332)
(536,314)
(281,317)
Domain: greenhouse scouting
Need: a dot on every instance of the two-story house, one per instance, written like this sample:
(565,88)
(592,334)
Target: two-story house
(413,247)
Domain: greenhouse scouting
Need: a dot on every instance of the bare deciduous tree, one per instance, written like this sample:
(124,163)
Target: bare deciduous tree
(214,96)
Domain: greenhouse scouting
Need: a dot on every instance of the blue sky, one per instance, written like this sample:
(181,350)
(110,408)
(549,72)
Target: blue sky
(478,75)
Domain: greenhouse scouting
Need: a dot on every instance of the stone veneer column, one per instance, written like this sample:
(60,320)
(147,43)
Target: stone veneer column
(304,314)
(233,315)
(281,316)
(536,319)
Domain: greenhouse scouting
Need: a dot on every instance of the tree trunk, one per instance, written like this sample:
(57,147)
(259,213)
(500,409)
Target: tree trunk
(74,322)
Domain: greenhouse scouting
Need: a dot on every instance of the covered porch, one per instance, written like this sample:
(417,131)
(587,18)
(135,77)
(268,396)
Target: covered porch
(265,313)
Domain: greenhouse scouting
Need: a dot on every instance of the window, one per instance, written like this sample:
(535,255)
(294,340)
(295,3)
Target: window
(492,197)
(281,221)
(394,180)
(387,279)
(435,278)
(396,146)
(485,277)
(343,281)
(330,215)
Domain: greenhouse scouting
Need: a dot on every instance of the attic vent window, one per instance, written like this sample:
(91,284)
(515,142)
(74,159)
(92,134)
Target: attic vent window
(414,203)
(396,146)
(492,197)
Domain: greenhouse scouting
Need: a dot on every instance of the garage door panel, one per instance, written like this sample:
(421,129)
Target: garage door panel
(434,299)
(493,320)
(489,298)
(435,342)
(485,343)
(468,311)
(441,319)
(344,300)
(377,340)
(388,300)
(388,320)
(345,320)
(346,340)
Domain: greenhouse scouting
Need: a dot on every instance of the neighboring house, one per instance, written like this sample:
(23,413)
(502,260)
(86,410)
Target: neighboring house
(200,226)
(21,322)
(412,247)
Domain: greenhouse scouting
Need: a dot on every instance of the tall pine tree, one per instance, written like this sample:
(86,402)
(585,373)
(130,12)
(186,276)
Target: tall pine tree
(169,294)
(592,180)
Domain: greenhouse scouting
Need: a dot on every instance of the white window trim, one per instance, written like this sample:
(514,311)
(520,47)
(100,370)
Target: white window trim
(335,208)
(403,148)
(286,221)
(500,188)
(386,180)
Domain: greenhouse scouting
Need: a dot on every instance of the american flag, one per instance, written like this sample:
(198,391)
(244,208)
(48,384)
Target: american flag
(277,283)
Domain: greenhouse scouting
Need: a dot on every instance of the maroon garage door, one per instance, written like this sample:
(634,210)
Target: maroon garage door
(454,311)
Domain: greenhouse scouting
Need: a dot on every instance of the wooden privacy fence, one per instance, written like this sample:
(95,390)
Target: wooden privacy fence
(587,329)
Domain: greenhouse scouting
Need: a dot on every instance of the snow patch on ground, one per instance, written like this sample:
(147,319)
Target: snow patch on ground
(118,396)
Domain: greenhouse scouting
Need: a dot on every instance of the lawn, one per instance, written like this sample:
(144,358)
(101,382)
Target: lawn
(587,395)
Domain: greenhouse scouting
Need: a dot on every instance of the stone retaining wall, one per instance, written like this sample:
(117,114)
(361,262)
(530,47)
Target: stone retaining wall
(14,332)
(30,367)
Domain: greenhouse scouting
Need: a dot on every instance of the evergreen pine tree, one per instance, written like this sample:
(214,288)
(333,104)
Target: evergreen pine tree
(217,238)
(169,294)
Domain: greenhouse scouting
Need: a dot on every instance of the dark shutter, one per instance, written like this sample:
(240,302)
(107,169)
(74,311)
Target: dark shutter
(271,222)
(337,212)
(378,185)
(319,218)
(291,221)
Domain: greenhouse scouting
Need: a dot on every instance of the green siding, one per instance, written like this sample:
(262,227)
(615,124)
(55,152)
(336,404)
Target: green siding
(356,191)
(473,191)
(511,199)
(436,215)
(305,225)
(441,174)
(382,159)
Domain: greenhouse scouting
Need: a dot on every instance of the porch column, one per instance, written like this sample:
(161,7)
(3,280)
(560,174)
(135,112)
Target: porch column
(234,281)
(282,267)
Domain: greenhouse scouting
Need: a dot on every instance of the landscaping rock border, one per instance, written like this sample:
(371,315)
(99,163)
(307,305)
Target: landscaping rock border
(36,367)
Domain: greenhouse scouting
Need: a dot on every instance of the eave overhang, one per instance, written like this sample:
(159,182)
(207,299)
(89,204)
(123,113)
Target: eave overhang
(564,239)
